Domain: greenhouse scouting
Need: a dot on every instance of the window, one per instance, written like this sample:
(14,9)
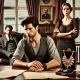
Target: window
(75,13)
(14,12)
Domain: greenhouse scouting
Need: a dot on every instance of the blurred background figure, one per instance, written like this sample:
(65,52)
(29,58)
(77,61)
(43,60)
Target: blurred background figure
(8,43)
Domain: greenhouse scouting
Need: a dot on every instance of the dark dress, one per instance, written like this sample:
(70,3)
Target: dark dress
(65,43)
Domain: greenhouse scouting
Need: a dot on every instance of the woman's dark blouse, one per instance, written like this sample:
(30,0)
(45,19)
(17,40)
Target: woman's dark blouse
(65,43)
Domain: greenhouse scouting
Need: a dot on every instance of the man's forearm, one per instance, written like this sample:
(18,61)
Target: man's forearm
(19,63)
(62,34)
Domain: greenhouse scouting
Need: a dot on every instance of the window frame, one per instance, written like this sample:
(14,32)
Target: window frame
(16,8)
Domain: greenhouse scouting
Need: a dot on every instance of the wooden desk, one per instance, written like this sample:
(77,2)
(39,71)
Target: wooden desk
(21,77)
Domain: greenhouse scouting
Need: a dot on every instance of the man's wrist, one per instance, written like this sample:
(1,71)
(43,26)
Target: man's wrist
(29,64)
(44,66)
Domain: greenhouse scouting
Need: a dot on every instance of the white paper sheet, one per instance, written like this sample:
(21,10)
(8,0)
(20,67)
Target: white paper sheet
(10,73)
(42,75)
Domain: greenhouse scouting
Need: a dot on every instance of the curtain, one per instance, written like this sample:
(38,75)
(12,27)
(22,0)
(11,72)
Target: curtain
(31,7)
(1,14)
(58,9)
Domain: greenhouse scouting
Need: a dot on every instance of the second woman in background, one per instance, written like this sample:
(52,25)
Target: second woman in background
(66,30)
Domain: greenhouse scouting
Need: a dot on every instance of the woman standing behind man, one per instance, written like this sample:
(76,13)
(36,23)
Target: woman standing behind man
(66,30)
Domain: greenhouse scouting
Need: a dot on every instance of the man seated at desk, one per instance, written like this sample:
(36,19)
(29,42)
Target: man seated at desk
(40,51)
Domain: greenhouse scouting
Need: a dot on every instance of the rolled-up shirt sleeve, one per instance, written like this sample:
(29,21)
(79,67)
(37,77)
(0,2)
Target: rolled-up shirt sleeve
(19,52)
(52,50)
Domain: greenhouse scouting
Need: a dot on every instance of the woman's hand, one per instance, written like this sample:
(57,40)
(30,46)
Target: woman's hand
(74,31)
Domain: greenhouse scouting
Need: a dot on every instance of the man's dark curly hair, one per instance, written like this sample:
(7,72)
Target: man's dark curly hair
(9,26)
(31,19)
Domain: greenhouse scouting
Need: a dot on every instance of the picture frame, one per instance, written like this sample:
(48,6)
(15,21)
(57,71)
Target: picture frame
(46,13)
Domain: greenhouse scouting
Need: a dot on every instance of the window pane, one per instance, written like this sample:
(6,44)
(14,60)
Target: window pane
(8,13)
(77,3)
(77,13)
(70,2)
(21,29)
(21,15)
(9,3)
(71,14)
(9,17)
(21,3)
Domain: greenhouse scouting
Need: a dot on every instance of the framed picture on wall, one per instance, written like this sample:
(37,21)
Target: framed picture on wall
(77,40)
(46,13)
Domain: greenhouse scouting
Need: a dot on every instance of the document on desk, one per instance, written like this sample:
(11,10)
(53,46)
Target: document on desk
(10,73)
(34,75)
(42,75)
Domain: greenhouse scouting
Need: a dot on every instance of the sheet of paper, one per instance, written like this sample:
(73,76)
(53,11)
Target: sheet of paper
(42,75)
(52,75)
(78,68)
(34,75)
(10,73)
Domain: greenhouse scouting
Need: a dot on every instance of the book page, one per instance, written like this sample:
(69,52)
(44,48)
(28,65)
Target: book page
(10,73)
(34,75)
(52,75)
(42,75)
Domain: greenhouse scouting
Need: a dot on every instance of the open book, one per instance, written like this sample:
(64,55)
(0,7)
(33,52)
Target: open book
(8,73)
(43,75)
